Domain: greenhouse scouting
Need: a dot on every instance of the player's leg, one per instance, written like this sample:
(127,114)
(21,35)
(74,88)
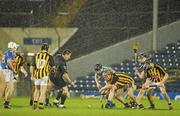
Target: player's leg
(59,94)
(63,97)
(149,96)
(109,103)
(42,96)
(36,93)
(8,93)
(131,95)
(48,92)
(9,88)
(32,93)
(43,89)
(119,96)
(166,97)
(2,84)
(141,94)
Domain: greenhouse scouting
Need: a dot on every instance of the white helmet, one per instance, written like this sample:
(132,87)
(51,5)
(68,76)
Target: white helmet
(12,45)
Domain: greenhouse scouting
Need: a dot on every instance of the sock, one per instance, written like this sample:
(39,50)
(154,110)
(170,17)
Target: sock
(63,99)
(35,102)
(59,95)
(6,103)
(126,104)
(169,104)
(150,100)
(47,100)
(166,97)
(109,102)
(41,105)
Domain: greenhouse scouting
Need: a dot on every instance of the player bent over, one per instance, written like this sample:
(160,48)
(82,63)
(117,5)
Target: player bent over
(61,78)
(155,75)
(116,82)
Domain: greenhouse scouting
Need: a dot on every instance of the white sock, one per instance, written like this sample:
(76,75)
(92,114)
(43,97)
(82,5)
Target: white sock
(56,101)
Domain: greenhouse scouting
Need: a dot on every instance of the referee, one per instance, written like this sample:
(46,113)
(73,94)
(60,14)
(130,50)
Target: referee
(61,77)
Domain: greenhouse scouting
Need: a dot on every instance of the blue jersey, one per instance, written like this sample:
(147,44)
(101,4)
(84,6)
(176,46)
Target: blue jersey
(1,65)
(7,56)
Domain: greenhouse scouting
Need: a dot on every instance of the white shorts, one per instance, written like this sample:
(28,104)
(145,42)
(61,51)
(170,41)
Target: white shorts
(9,76)
(42,81)
(153,83)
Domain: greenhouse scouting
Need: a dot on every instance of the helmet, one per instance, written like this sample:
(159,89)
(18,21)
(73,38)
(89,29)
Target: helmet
(45,46)
(12,45)
(97,67)
(144,58)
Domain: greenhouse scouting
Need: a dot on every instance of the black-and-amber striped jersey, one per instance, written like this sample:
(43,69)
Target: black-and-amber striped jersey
(19,62)
(42,63)
(156,73)
(122,80)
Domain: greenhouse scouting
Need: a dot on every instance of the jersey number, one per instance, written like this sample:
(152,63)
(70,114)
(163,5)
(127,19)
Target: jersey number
(41,63)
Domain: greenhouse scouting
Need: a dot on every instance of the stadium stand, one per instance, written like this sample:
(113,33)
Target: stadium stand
(27,13)
(168,57)
(103,23)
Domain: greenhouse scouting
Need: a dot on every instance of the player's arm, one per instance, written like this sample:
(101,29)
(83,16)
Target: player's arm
(10,64)
(141,74)
(10,60)
(66,75)
(32,68)
(52,65)
(22,69)
(147,83)
(107,86)
(165,78)
(96,77)
(67,79)
(163,72)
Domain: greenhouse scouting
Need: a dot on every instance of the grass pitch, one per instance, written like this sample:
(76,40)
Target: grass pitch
(77,107)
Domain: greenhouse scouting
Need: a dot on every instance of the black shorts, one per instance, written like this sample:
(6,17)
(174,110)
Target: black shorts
(58,83)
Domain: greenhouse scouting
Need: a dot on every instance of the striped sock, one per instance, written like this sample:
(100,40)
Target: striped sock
(41,105)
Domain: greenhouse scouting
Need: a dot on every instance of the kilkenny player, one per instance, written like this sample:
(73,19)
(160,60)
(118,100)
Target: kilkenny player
(99,69)
(155,75)
(41,67)
(118,82)
(19,59)
(142,63)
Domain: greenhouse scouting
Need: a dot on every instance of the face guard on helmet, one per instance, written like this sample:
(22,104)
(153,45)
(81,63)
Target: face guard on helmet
(98,67)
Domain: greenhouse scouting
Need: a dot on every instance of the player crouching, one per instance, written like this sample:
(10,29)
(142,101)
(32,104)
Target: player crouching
(155,75)
(118,82)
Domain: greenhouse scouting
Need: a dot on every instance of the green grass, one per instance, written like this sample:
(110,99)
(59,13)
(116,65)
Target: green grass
(77,107)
